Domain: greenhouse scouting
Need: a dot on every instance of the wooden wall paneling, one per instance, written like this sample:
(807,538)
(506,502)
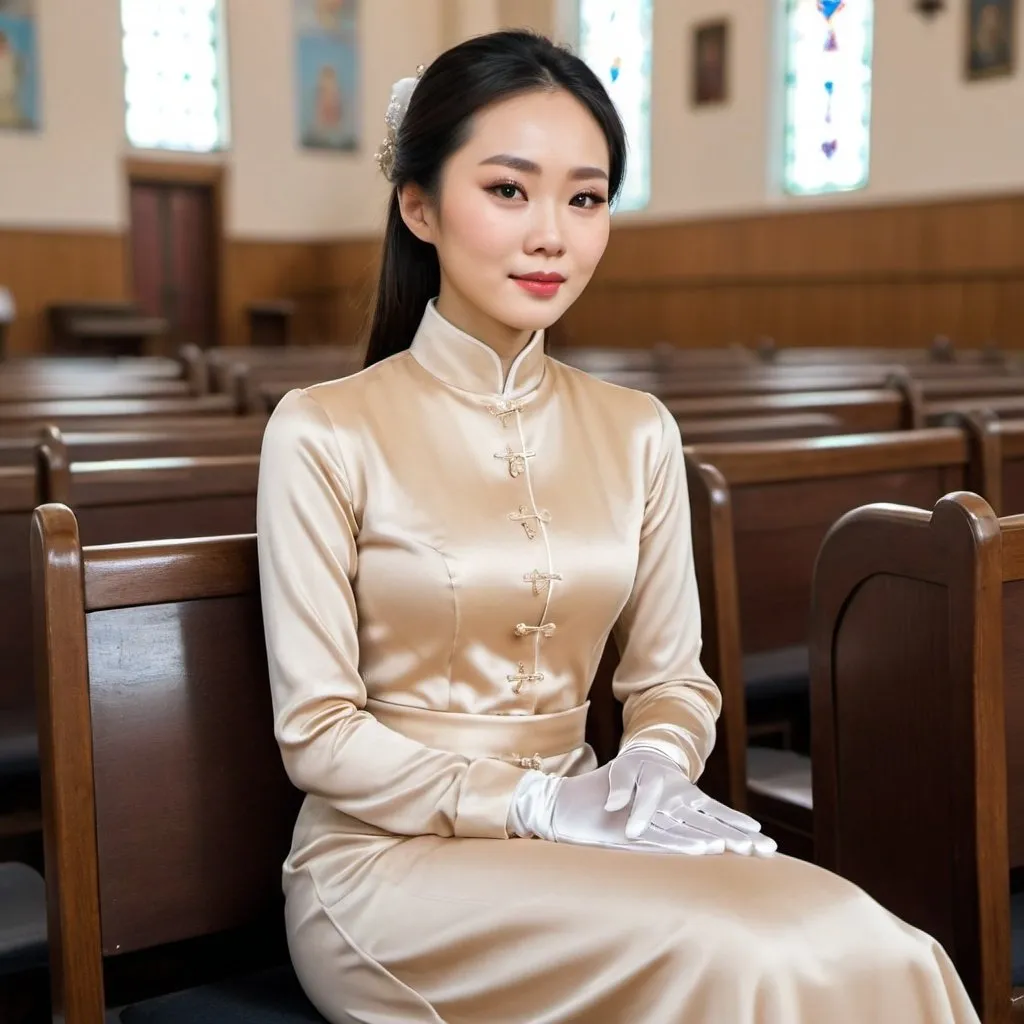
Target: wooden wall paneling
(258,271)
(45,267)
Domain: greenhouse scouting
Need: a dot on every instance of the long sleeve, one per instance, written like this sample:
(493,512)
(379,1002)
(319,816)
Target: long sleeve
(331,746)
(669,701)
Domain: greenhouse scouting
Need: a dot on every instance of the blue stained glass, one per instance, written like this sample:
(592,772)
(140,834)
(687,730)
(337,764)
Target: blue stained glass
(828,95)
(173,74)
(615,41)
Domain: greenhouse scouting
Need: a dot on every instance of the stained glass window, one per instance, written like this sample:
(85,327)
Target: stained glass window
(828,94)
(174,74)
(615,41)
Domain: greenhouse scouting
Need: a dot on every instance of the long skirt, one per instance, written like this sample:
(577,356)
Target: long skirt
(468,931)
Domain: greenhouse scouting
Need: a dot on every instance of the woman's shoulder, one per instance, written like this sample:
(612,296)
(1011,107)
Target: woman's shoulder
(344,399)
(624,405)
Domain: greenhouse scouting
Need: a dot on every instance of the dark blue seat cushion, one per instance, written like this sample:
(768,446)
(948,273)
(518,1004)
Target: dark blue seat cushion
(271,997)
(785,672)
(1017,936)
(22,919)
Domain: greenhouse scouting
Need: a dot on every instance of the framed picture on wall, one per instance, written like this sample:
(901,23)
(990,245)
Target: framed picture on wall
(710,63)
(19,75)
(991,31)
(327,67)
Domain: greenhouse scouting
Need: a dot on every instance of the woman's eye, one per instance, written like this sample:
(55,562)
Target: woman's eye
(506,190)
(587,200)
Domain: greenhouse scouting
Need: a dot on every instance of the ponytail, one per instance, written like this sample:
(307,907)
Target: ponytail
(410,276)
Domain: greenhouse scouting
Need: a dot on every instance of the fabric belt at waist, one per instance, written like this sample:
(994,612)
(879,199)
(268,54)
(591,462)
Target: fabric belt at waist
(508,737)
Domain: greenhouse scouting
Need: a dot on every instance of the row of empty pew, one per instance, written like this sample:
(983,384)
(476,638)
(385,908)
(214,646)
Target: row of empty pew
(133,678)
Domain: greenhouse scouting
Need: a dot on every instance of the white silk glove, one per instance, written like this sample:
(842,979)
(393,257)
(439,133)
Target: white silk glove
(572,810)
(650,784)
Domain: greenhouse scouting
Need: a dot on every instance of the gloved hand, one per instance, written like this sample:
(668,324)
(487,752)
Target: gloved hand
(649,783)
(572,810)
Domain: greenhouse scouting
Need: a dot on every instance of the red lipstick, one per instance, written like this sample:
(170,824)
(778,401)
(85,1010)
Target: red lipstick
(542,285)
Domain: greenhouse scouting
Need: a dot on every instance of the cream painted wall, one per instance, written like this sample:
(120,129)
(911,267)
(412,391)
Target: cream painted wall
(934,135)
(67,174)
(279,190)
(70,175)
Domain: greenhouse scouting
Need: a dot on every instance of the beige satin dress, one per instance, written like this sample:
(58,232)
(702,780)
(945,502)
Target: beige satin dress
(443,555)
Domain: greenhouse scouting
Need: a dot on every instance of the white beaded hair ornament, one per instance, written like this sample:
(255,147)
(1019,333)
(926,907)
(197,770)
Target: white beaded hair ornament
(401,95)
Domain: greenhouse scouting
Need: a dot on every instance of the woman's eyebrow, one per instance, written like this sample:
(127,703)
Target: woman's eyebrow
(521,164)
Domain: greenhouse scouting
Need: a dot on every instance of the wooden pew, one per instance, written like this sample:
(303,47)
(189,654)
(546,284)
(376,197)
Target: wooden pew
(243,436)
(1004,406)
(653,358)
(940,350)
(759,428)
(917,663)
(1010,435)
(858,410)
(15,388)
(785,496)
(92,414)
(19,793)
(153,680)
(324,361)
(152,499)
(115,501)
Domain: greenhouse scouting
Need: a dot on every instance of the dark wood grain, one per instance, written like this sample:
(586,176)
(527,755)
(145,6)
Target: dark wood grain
(167,809)
(911,718)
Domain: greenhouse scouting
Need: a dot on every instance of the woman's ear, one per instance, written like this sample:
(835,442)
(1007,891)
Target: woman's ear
(417,212)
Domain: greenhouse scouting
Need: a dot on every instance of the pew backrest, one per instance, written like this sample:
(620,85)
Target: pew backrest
(167,812)
(153,499)
(787,494)
(914,616)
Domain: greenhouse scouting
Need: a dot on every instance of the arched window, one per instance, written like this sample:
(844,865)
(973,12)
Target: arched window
(828,95)
(615,41)
(174,74)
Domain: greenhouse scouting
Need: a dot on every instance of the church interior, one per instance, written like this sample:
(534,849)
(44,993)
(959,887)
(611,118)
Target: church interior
(816,263)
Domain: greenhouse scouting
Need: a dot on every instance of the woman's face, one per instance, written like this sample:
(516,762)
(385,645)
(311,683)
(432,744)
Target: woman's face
(522,217)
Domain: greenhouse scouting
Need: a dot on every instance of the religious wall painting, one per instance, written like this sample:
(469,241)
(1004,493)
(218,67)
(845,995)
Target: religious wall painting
(19,66)
(710,63)
(327,63)
(991,31)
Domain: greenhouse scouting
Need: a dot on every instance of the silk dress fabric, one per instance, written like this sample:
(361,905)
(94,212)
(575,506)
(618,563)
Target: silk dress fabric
(443,554)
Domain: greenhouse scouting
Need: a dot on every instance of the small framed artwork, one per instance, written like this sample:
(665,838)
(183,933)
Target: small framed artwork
(19,85)
(991,31)
(710,63)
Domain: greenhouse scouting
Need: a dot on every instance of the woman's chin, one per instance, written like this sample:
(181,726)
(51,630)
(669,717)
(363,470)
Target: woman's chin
(527,313)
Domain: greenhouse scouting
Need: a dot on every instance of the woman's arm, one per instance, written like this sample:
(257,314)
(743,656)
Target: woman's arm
(331,746)
(669,701)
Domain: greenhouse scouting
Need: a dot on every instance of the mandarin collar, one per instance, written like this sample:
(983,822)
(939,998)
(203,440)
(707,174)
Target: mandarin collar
(459,360)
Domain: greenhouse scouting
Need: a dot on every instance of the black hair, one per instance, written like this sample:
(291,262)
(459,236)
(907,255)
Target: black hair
(461,82)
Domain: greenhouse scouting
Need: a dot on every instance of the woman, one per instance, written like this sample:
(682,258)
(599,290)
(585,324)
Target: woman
(446,541)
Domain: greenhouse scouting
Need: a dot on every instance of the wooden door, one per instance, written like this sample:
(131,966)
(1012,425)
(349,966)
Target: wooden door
(174,238)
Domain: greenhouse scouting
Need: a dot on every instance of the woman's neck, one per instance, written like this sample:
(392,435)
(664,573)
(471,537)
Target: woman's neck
(507,342)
